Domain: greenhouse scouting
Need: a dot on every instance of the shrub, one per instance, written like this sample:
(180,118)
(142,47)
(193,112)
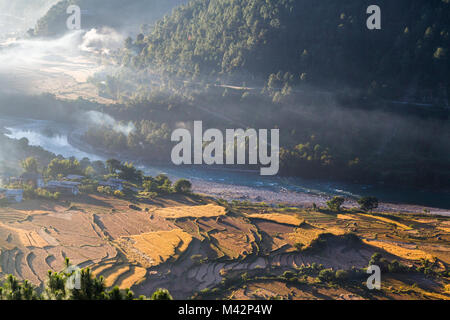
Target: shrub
(397,267)
(299,246)
(119,194)
(182,186)
(375,259)
(104,190)
(30,193)
(342,275)
(378,260)
(368,203)
(197,259)
(161,294)
(289,275)
(327,275)
(161,184)
(335,203)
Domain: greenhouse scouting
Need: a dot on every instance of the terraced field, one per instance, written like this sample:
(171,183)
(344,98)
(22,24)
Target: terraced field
(154,248)
(202,211)
(278,218)
(123,275)
(193,244)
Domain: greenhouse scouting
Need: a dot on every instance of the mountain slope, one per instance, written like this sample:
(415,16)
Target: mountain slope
(320,42)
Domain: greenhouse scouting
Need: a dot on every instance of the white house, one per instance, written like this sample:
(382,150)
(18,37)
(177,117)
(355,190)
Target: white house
(66,187)
(12,195)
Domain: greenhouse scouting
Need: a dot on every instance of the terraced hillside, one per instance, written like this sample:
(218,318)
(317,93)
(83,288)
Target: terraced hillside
(262,239)
(199,247)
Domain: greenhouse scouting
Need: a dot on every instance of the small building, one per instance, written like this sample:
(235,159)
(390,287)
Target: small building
(12,195)
(64,187)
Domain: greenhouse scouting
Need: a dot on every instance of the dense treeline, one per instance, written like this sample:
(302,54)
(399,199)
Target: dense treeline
(149,140)
(317,141)
(90,175)
(322,43)
(370,146)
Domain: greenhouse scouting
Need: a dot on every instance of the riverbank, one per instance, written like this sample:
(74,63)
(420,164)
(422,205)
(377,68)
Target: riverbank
(243,185)
(297,199)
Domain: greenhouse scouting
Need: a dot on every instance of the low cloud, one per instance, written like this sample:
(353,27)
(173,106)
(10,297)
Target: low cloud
(101,40)
(101,119)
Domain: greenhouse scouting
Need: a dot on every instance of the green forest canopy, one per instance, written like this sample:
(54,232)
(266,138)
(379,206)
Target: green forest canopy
(323,42)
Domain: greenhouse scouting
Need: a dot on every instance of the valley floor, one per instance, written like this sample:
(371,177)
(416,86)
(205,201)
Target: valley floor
(300,199)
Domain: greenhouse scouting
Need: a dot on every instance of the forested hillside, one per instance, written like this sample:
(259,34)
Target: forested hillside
(324,43)
(351,103)
(98,13)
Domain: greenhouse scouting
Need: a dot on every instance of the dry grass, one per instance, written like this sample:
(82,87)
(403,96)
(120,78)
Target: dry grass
(154,248)
(399,251)
(8,216)
(316,217)
(112,277)
(27,238)
(205,211)
(345,217)
(278,218)
(229,237)
(98,270)
(390,221)
(32,239)
(445,229)
(137,276)
(304,235)
(233,245)
(334,230)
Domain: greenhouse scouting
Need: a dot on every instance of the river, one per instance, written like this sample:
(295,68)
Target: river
(241,185)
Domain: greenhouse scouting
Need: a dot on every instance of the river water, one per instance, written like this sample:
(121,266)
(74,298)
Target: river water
(243,185)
